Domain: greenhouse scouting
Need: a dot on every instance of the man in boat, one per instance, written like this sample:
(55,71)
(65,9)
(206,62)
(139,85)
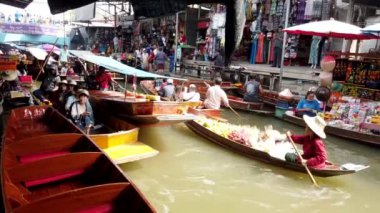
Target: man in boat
(192,94)
(57,97)
(308,105)
(168,90)
(314,152)
(70,96)
(215,96)
(252,89)
(103,79)
(49,83)
(81,112)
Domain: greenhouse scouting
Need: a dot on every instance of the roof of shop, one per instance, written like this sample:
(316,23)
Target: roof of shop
(116,66)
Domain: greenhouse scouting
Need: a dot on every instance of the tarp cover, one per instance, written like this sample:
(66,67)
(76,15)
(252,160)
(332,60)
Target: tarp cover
(116,66)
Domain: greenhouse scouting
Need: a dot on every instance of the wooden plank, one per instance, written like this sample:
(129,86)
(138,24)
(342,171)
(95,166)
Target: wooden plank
(78,200)
(45,143)
(48,167)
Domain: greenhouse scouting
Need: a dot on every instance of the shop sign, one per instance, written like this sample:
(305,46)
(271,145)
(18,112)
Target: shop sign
(125,21)
(6,64)
(30,29)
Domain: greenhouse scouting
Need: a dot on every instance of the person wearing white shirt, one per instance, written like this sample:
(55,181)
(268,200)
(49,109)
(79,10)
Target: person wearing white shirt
(192,95)
(215,96)
(63,55)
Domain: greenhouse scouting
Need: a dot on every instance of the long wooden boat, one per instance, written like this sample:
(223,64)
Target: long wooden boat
(360,137)
(140,111)
(329,170)
(49,165)
(119,140)
(235,102)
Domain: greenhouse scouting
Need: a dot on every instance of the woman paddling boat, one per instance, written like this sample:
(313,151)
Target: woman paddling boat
(314,152)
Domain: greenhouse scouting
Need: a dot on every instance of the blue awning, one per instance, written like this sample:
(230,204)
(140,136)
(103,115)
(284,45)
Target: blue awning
(116,66)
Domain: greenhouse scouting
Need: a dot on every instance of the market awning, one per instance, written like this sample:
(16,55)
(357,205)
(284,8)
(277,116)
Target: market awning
(116,66)
(79,53)
(329,28)
(39,54)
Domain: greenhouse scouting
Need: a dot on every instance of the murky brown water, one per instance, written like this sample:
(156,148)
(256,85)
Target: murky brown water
(192,174)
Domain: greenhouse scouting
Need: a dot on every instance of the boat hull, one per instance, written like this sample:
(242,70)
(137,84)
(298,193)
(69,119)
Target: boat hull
(121,143)
(369,139)
(48,164)
(144,112)
(331,170)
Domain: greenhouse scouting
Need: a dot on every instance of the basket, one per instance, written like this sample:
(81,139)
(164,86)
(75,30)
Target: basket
(280,111)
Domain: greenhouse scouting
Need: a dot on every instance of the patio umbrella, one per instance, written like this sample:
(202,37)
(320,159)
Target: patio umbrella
(375,28)
(50,47)
(330,28)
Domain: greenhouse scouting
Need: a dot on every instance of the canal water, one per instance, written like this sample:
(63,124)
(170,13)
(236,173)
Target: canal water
(192,174)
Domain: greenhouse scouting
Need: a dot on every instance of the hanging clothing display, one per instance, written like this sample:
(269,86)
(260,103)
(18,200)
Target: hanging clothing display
(273,7)
(313,56)
(300,11)
(253,51)
(317,9)
(267,7)
(308,10)
(325,10)
(260,49)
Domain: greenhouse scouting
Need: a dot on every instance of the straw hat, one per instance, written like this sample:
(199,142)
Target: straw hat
(316,124)
(9,75)
(72,82)
(84,92)
(63,82)
(286,93)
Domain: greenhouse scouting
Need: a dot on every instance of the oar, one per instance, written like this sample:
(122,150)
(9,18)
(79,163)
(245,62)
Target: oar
(234,111)
(299,155)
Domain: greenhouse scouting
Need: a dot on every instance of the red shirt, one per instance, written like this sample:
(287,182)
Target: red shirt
(313,150)
(104,80)
(183,39)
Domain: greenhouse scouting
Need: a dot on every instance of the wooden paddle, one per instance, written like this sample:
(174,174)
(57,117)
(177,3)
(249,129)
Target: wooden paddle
(299,155)
(46,59)
(237,114)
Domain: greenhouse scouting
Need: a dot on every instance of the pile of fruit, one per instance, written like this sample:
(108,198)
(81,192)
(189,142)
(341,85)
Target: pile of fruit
(266,140)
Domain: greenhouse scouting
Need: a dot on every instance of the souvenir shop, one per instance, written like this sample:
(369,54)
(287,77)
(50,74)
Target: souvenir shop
(357,78)
(267,16)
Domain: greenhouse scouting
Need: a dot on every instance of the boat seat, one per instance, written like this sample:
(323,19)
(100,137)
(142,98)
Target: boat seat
(36,157)
(100,198)
(54,178)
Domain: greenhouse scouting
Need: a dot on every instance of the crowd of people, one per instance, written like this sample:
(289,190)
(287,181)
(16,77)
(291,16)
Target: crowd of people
(70,98)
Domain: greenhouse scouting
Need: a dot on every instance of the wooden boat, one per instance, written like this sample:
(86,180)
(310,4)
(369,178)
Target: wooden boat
(140,111)
(235,102)
(119,140)
(49,165)
(360,137)
(329,170)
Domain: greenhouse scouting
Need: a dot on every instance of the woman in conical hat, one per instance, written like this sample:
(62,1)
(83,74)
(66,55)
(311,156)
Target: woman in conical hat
(314,152)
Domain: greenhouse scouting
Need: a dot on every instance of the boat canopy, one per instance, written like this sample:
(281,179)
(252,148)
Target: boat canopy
(116,66)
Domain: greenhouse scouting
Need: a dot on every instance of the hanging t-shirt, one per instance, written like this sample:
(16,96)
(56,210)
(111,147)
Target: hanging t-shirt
(308,9)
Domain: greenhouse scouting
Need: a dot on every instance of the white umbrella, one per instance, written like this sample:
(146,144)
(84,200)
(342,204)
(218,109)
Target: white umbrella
(375,28)
(330,28)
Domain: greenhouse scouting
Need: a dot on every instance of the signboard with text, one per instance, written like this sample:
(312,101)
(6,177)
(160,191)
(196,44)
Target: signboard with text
(31,29)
